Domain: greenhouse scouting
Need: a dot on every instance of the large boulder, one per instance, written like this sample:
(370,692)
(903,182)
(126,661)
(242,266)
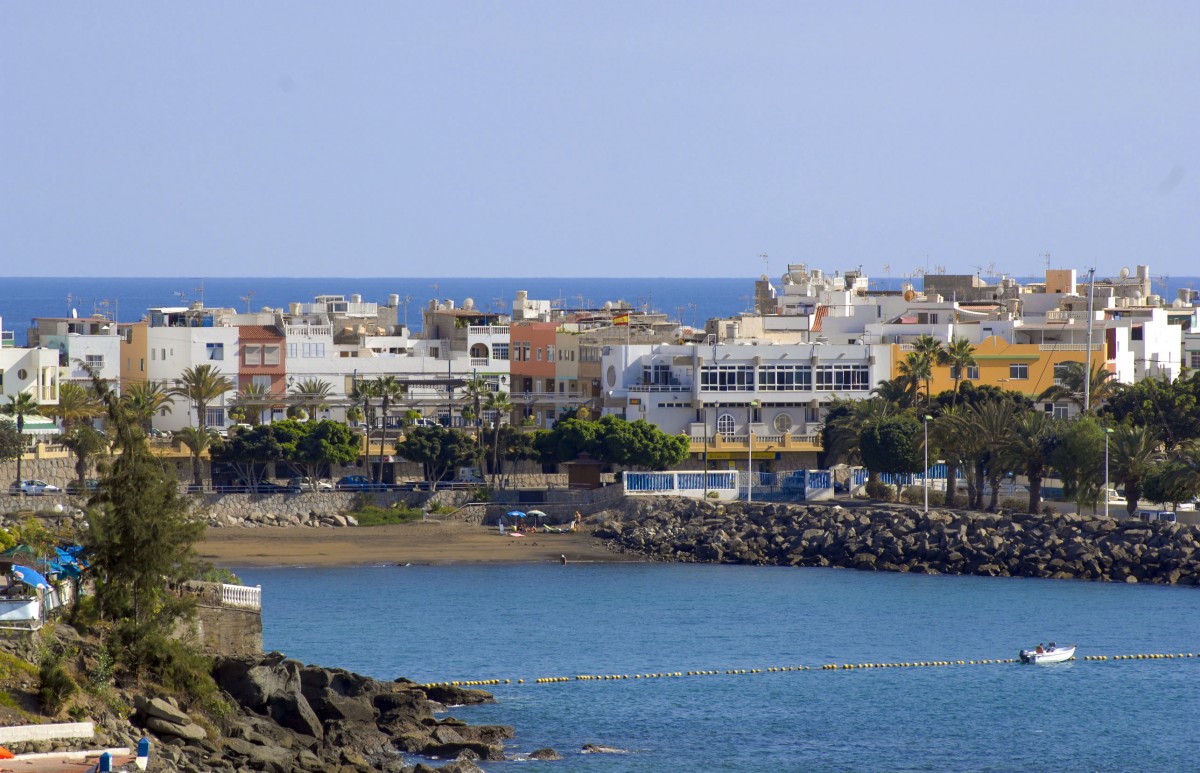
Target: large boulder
(269,685)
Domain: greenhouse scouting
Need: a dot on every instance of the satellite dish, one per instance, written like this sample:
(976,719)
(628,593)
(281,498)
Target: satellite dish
(1124,272)
(74,313)
(909,295)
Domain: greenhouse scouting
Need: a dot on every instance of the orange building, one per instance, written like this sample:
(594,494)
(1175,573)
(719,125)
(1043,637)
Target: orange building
(1025,368)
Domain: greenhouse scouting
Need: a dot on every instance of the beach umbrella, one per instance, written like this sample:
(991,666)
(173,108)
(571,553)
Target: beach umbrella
(536,514)
(29,576)
(515,514)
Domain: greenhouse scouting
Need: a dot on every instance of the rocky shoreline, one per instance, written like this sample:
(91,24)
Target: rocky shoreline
(905,539)
(290,717)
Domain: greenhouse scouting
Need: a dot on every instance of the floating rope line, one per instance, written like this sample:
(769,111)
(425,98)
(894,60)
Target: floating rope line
(783,669)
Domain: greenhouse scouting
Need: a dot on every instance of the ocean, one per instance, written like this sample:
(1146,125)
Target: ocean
(474,622)
(687,299)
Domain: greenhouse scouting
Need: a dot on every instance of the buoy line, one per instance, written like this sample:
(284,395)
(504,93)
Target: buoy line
(783,669)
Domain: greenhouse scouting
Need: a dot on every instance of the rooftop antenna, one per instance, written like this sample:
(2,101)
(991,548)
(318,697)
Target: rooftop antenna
(246,299)
(766,265)
(1046,257)
(991,271)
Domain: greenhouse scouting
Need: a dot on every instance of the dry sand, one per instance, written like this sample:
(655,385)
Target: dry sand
(421,542)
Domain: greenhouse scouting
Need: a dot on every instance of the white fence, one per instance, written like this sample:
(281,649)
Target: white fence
(241,596)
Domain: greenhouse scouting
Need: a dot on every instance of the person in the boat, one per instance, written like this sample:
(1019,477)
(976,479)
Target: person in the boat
(1051,647)
(1039,649)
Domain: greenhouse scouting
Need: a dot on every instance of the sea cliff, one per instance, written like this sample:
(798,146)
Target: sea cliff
(904,539)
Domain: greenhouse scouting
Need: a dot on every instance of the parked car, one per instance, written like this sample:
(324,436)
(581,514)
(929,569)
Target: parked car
(359,483)
(89,486)
(297,485)
(33,488)
(267,487)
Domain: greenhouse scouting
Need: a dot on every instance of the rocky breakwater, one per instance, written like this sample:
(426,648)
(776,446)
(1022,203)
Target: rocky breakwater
(293,717)
(905,539)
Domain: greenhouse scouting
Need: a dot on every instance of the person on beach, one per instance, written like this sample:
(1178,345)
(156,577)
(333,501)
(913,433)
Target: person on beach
(563,559)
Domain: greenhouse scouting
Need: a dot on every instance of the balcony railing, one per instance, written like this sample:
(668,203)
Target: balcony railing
(308,331)
(661,388)
(241,596)
(1069,347)
(793,442)
(488,330)
(544,397)
(480,362)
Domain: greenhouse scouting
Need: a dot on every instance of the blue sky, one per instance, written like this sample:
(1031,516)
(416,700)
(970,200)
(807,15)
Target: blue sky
(609,138)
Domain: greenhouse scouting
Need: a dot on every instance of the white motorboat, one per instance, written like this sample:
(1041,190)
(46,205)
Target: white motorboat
(1051,654)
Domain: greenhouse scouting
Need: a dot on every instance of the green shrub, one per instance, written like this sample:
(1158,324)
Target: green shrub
(880,490)
(219,574)
(373,515)
(56,686)
(1014,504)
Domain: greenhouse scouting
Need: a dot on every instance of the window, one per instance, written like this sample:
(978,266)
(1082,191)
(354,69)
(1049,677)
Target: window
(1056,411)
(1194,360)
(1136,333)
(656,373)
(215,351)
(94,361)
(293,351)
(539,354)
(312,350)
(783,423)
(784,378)
(499,351)
(215,417)
(549,354)
(725,426)
(727,378)
(261,381)
(252,354)
(839,378)
(1018,371)
(525,351)
(973,372)
(811,415)
(271,354)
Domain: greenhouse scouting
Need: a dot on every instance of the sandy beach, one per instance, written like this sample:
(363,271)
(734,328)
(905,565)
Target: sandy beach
(422,542)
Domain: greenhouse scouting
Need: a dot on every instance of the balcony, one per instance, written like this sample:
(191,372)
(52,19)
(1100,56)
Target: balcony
(480,362)
(767,444)
(546,397)
(308,331)
(1069,347)
(661,388)
(491,331)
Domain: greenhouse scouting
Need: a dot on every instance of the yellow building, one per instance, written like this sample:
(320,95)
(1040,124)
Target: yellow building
(1025,368)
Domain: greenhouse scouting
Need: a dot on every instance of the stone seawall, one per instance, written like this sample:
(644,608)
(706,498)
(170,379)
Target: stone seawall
(904,539)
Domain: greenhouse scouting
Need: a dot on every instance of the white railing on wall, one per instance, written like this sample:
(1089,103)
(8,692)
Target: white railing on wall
(241,596)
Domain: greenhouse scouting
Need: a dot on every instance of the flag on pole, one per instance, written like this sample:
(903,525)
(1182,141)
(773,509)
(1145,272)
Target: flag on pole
(621,319)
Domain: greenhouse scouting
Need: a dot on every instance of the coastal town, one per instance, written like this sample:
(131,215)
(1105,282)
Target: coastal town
(751,393)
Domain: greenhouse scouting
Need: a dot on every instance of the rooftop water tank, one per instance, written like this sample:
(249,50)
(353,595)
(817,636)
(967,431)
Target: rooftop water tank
(393,300)
(355,298)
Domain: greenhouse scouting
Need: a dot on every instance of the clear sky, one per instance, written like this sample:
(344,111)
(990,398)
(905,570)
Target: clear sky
(527,138)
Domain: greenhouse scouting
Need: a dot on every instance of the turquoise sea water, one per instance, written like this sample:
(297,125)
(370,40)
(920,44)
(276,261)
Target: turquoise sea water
(437,623)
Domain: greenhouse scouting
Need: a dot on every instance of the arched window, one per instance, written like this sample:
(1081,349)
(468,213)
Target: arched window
(479,351)
(725,426)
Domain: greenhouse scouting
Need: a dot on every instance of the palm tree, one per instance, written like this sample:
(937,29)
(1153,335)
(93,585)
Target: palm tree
(197,441)
(915,369)
(84,441)
(897,391)
(1132,451)
(1072,383)
(841,433)
(75,403)
(19,406)
(946,434)
(500,404)
(931,350)
(201,385)
(388,389)
(959,354)
(253,399)
(143,399)
(993,422)
(311,394)
(1027,450)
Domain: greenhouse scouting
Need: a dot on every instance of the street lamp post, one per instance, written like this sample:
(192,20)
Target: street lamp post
(925,477)
(1107,432)
(750,450)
